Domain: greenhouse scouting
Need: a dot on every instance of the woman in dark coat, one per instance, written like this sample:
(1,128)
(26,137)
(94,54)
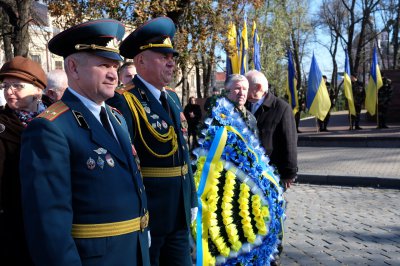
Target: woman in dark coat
(192,113)
(22,81)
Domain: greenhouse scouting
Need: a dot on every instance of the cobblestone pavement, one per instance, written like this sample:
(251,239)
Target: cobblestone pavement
(331,225)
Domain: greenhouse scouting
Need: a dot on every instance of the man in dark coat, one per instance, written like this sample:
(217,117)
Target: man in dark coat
(276,125)
(359,98)
(82,193)
(384,97)
(277,129)
(192,113)
(158,129)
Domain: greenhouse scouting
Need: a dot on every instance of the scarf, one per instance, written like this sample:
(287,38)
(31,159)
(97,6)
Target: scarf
(25,117)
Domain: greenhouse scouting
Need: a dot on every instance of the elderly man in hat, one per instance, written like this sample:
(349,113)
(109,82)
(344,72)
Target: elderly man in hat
(158,129)
(82,193)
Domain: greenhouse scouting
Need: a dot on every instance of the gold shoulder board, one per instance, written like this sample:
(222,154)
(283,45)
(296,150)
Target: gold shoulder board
(54,111)
(125,88)
(170,89)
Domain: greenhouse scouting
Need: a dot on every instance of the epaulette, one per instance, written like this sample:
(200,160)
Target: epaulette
(116,110)
(125,88)
(170,89)
(54,111)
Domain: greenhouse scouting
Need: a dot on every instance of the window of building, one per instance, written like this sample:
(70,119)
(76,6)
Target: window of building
(36,58)
(59,64)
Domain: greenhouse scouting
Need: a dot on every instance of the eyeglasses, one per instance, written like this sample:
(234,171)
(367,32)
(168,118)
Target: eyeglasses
(16,87)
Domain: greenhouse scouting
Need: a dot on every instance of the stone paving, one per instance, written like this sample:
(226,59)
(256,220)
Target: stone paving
(342,161)
(331,225)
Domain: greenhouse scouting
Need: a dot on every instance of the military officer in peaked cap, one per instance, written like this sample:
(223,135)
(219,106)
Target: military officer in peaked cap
(158,129)
(83,197)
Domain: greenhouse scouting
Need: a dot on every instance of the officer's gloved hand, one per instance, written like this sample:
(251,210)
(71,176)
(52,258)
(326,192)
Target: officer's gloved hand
(148,232)
(193,212)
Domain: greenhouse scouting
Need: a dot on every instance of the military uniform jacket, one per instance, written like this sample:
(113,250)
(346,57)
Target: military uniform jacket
(163,194)
(278,134)
(74,172)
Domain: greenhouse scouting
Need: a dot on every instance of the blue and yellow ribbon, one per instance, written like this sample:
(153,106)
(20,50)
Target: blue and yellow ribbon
(214,155)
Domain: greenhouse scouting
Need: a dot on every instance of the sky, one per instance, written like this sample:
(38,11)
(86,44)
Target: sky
(322,55)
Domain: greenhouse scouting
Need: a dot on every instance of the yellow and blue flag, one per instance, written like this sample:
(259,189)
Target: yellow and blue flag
(348,92)
(244,44)
(232,59)
(256,48)
(374,84)
(318,102)
(291,86)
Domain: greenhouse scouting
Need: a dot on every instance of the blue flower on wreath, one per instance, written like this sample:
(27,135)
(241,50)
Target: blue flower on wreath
(206,144)
(232,138)
(259,169)
(242,146)
(252,157)
(229,153)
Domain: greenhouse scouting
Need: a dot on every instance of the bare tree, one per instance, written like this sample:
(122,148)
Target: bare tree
(331,19)
(16,19)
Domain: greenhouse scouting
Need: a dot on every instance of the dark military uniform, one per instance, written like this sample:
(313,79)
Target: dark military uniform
(82,193)
(384,96)
(160,141)
(359,98)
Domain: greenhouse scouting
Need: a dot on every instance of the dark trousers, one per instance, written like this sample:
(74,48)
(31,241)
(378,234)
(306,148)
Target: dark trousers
(192,143)
(323,124)
(355,120)
(172,249)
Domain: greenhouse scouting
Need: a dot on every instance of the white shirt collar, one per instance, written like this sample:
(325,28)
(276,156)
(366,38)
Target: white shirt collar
(93,107)
(156,92)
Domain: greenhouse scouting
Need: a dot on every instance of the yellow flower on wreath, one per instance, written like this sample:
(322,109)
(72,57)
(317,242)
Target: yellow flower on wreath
(245,214)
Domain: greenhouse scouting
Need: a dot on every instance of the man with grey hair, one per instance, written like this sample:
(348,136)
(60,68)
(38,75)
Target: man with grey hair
(57,82)
(277,130)
(237,87)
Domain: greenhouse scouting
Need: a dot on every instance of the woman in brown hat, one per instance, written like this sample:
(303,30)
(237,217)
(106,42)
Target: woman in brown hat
(22,81)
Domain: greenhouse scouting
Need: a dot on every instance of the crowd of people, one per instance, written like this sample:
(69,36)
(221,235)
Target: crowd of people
(96,164)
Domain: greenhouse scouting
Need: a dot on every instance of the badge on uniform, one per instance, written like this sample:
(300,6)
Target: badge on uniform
(158,125)
(164,124)
(2,128)
(154,116)
(147,109)
(110,160)
(91,164)
(100,162)
(100,151)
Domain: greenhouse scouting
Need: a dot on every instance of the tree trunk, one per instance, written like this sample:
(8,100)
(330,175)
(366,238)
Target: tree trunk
(198,82)
(396,36)
(185,86)
(6,34)
(21,33)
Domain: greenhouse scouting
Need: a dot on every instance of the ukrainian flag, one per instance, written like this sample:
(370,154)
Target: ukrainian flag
(291,86)
(232,62)
(256,48)
(348,92)
(318,102)
(374,84)
(244,44)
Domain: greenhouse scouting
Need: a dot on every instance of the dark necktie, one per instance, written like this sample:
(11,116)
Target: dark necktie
(104,121)
(164,102)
